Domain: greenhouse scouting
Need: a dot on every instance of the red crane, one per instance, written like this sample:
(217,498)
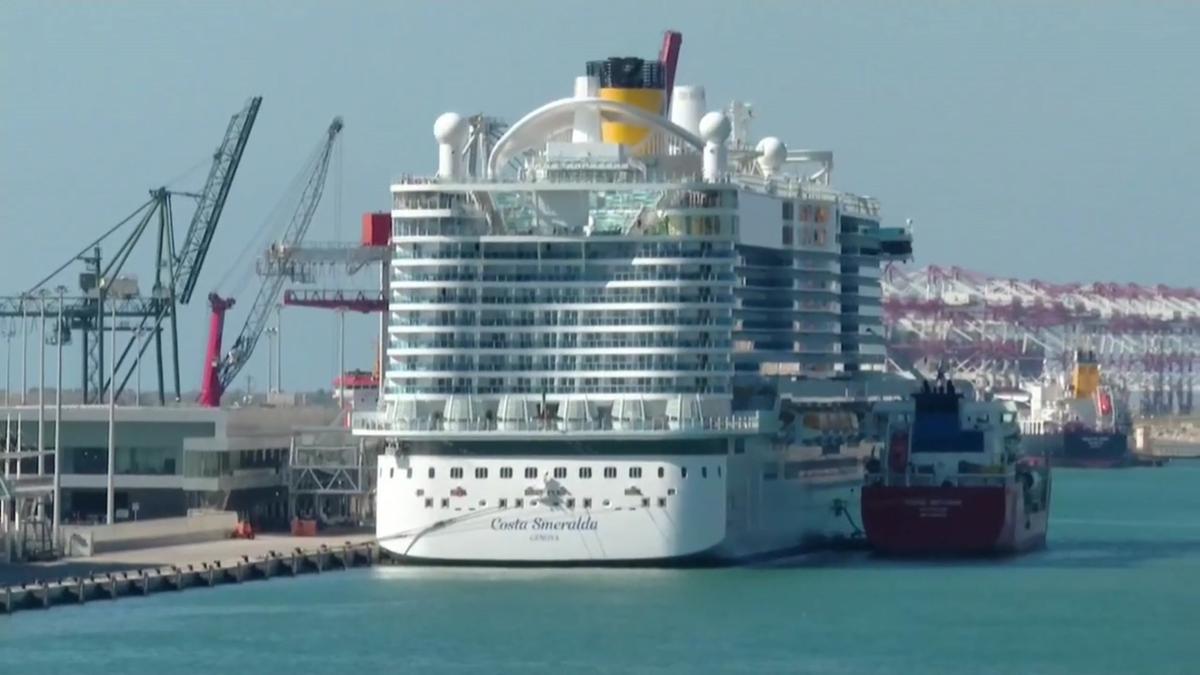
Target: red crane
(220,371)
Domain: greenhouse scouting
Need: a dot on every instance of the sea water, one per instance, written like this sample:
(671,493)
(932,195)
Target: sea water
(1116,591)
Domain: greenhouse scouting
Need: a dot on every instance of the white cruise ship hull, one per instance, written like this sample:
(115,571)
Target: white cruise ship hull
(707,509)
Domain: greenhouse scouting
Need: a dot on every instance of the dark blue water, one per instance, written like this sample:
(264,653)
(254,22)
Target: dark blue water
(1117,591)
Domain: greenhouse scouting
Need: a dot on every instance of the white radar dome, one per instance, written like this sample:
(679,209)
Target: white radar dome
(771,154)
(714,127)
(449,128)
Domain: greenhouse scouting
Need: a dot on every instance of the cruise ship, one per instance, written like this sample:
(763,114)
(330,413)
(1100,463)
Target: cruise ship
(623,331)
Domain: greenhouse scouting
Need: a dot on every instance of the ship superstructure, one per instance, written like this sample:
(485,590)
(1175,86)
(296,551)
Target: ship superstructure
(591,313)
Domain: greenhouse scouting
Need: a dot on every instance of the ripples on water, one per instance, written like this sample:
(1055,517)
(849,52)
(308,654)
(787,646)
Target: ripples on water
(1116,591)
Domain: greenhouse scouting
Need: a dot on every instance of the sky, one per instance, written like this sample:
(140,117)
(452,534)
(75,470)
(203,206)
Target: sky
(1058,141)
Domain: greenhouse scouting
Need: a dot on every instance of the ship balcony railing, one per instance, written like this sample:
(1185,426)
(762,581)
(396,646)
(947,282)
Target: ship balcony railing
(381,421)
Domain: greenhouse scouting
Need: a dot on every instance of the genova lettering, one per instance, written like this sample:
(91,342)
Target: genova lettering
(544,525)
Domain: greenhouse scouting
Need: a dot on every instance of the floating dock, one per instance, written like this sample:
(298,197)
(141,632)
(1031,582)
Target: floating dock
(139,582)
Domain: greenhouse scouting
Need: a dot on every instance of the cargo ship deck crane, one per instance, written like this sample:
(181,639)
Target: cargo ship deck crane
(220,371)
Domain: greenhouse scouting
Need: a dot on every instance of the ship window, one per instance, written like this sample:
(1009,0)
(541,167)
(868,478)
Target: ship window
(531,472)
(429,502)
(704,472)
(646,502)
(483,502)
(606,503)
(718,472)
(431,473)
(662,502)
(739,446)
(502,503)
(560,472)
(587,502)
(683,472)
(421,493)
(788,210)
(506,472)
(391,473)
(456,472)
(610,472)
(481,472)
(533,502)
(585,472)
(518,502)
(570,502)
(635,472)
(787,235)
(408,472)
(445,503)
(670,492)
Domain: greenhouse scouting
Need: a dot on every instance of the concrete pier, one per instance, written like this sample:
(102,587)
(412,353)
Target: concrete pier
(101,579)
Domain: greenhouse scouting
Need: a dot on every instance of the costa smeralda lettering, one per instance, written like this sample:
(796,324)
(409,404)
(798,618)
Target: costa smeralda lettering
(542,524)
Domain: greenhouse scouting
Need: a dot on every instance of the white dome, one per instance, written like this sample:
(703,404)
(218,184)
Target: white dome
(714,127)
(771,153)
(449,128)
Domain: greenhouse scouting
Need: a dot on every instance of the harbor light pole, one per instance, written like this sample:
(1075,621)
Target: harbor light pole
(9,332)
(41,442)
(58,373)
(112,418)
(24,384)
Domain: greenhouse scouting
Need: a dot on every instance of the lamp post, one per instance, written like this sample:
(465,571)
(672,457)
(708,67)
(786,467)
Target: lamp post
(112,419)
(41,442)
(9,333)
(58,373)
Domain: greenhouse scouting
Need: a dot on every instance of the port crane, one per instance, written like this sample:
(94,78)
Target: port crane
(108,301)
(221,370)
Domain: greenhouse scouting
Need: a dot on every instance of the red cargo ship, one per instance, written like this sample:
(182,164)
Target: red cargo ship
(952,481)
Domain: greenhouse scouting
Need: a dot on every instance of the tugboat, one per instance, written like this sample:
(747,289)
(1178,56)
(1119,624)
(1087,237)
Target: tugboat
(952,480)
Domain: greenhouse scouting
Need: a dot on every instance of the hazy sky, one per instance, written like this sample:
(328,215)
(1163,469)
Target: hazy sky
(1050,140)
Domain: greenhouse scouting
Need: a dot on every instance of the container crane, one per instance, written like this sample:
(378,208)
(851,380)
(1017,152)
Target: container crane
(104,293)
(220,371)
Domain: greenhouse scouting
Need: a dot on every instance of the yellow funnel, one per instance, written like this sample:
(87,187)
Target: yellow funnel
(625,133)
(1086,380)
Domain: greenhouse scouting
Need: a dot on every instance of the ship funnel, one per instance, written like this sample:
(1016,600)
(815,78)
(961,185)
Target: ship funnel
(714,129)
(632,81)
(687,107)
(450,130)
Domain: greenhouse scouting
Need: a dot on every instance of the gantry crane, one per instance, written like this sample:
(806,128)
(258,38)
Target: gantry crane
(106,302)
(220,371)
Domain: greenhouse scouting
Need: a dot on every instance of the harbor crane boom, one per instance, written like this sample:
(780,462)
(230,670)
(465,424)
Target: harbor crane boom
(220,371)
(106,291)
(212,201)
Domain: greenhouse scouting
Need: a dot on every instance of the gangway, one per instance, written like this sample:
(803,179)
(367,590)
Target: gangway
(330,476)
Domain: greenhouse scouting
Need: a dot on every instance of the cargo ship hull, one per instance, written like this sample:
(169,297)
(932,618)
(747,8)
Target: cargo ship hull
(933,520)
(1083,449)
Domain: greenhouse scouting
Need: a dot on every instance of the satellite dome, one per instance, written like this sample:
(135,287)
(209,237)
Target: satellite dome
(771,154)
(714,127)
(449,127)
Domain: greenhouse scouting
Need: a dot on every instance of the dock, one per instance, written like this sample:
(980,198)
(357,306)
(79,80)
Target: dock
(91,586)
